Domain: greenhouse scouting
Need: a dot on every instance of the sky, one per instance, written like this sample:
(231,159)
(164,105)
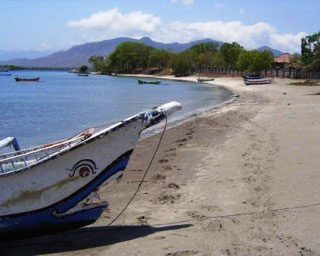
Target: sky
(60,24)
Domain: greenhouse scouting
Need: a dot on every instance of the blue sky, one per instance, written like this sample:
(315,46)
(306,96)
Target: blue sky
(59,24)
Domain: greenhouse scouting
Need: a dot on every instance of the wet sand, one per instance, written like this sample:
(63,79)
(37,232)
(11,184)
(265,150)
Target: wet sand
(239,180)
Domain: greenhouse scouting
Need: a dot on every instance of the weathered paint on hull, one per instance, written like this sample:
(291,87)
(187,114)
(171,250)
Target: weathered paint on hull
(54,193)
(52,219)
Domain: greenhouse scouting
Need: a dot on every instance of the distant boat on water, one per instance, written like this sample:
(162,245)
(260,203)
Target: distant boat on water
(83,74)
(4,70)
(5,74)
(27,79)
(148,82)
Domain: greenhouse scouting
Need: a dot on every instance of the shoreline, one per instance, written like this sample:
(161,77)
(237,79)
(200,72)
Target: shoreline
(239,180)
(194,114)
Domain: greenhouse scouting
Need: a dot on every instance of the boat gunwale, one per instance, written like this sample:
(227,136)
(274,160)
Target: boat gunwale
(92,138)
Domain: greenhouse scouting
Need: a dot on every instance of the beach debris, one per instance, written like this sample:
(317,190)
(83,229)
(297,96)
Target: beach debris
(284,93)
(143,220)
(236,96)
(173,185)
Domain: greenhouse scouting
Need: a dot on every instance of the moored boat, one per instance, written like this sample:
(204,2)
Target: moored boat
(52,187)
(258,81)
(27,79)
(83,74)
(205,79)
(148,81)
(5,74)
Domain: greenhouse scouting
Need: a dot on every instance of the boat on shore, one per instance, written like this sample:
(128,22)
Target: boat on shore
(52,188)
(205,79)
(36,79)
(258,81)
(256,78)
(140,81)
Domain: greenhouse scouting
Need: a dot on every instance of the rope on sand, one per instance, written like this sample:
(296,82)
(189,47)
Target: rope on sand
(144,175)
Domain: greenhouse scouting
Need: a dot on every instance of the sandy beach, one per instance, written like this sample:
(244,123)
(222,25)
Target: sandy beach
(239,180)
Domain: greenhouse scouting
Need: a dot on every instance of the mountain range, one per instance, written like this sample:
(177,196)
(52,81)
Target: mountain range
(78,55)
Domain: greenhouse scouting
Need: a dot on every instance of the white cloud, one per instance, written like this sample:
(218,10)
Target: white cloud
(113,23)
(287,42)
(185,2)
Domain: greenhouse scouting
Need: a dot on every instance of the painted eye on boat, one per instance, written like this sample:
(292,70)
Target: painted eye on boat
(83,168)
(84,172)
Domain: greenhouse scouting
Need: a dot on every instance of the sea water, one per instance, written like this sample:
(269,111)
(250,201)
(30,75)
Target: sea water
(62,104)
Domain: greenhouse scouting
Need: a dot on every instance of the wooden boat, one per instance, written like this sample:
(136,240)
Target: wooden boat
(5,74)
(53,187)
(205,79)
(182,75)
(148,82)
(27,79)
(4,70)
(258,81)
(83,74)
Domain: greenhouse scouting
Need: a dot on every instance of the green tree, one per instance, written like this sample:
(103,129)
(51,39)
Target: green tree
(83,69)
(203,54)
(183,62)
(310,52)
(254,61)
(159,58)
(97,62)
(209,47)
(129,56)
(230,53)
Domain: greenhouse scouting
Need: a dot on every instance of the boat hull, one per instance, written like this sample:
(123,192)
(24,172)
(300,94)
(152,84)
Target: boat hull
(27,79)
(53,195)
(56,192)
(258,81)
(55,218)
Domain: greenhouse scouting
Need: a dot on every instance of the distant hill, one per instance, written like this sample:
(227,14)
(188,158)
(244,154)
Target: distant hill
(275,53)
(9,55)
(79,55)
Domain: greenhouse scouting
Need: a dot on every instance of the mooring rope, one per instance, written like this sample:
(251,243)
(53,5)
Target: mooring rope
(144,175)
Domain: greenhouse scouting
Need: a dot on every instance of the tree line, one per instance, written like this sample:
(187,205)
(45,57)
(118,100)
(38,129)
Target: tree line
(130,56)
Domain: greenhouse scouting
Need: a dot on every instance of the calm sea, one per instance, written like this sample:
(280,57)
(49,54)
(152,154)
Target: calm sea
(63,104)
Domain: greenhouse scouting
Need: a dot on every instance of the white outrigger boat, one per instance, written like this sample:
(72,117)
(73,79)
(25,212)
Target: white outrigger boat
(258,81)
(51,187)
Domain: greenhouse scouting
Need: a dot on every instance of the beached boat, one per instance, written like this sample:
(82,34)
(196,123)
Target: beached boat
(258,81)
(148,81)
(27,79)
(53,187)
(205,79)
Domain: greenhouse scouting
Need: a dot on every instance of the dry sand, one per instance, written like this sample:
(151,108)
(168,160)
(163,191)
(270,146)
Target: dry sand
(239,180)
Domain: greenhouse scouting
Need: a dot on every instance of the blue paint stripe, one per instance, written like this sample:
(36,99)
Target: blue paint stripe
(43,220)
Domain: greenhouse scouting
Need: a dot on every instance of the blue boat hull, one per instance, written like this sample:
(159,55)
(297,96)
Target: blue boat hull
(53,218)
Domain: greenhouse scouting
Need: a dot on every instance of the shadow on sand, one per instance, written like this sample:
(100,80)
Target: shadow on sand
(85,238)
